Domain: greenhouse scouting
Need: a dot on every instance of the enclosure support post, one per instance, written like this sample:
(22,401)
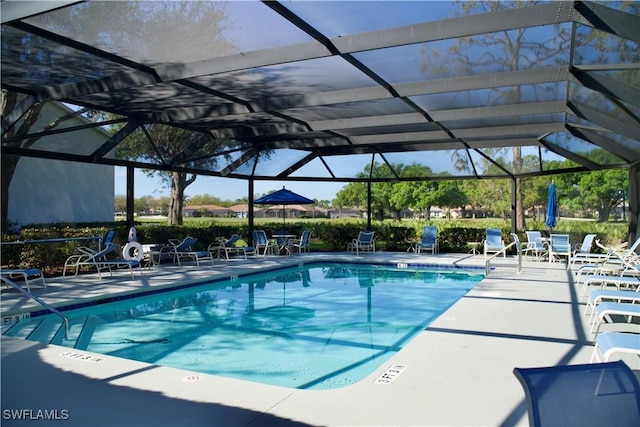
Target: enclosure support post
(130,195)
(250,208)
(514,212)
(634,203)
(368,205)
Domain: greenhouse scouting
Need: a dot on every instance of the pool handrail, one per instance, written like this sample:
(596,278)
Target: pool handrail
(517,244)
(39,301)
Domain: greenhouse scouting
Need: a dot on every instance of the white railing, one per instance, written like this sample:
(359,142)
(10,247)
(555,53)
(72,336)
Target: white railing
(503,251)
(42,303)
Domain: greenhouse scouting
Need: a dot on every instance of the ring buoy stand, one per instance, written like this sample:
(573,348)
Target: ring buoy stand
(133,250)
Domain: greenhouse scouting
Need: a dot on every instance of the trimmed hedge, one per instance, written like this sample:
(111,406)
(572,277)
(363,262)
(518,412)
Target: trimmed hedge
(453,236)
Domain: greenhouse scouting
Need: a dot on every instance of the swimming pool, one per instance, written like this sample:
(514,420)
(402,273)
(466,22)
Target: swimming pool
(314,326)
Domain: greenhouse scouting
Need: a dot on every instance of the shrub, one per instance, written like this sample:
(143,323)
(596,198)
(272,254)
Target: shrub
(453,235)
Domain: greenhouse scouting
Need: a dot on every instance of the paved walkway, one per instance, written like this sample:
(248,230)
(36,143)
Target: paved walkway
(458,370)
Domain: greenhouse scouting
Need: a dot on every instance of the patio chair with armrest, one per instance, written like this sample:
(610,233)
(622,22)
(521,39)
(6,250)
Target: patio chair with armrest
(493,242)
(429,240)
(261,242)
(301,245)
(365,242)
(559,247)
(595,394)
(535,245)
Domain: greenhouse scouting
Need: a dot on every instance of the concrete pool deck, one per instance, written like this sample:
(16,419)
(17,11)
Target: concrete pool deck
(458,370)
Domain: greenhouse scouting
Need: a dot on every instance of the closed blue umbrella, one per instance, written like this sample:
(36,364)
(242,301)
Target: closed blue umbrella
(552,206)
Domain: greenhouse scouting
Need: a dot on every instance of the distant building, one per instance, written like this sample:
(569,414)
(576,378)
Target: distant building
(344,213)
(207,211)
(469,212)
(242,211)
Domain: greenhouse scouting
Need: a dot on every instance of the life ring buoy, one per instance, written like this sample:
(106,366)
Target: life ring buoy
(133,250)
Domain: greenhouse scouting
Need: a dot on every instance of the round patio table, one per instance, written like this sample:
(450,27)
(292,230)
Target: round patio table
(283,249)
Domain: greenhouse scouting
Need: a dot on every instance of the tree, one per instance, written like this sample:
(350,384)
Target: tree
(141,205)
(535,191)
(603,190)
(352,194)
(205,199)
(160,144)
(120,202)
(503,51)
(323,204)
(414,194)
(450,195)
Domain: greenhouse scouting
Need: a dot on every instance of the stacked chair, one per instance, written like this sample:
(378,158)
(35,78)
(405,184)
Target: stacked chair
(615,301)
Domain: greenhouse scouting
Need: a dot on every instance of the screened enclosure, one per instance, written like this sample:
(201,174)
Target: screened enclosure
(335,90)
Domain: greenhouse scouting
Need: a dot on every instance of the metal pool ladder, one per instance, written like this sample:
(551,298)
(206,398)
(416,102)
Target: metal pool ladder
(42,303)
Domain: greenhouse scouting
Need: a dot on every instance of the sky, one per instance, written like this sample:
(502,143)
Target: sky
(223,188)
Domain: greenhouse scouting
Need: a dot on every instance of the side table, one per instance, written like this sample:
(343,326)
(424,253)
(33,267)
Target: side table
(474,247)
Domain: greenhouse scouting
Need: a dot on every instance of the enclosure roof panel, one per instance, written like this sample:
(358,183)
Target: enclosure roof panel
(285,89)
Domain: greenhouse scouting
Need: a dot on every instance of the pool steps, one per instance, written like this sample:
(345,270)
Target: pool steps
(51,331)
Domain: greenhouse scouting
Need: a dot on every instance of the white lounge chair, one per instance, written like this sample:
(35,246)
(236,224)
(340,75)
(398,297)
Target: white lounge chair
(630,254)
(622,275)
(600,269)
(86,256)
(228,247)
(184,250)
(608,343)
(616,257)
(98,260)
(27,274)
(583,254)
(608,280)
(605,310)
(599,295)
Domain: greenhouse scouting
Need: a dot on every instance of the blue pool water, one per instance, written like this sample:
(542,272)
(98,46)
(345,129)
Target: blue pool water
(317,326)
